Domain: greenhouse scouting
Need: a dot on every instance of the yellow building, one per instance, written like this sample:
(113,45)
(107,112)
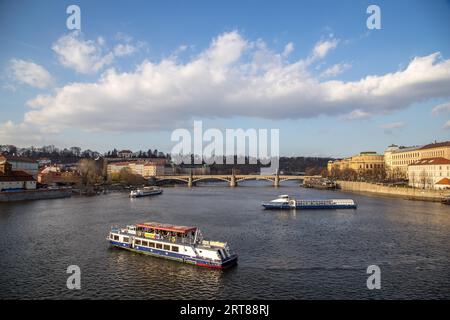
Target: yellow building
(363,162)
(141,168)
(398,158)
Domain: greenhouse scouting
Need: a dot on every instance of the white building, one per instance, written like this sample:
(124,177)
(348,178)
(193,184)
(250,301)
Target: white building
(22,164)
(10,179)
(429,173)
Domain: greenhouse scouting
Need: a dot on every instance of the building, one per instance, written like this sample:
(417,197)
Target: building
(430,173)
(399,158)
(22,164)
(59,177)
(14,179)
(368,161)
(142,168)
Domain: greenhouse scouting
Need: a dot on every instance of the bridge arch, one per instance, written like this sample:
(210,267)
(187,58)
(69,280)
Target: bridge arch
(172,178)
(270,179)
(210,178)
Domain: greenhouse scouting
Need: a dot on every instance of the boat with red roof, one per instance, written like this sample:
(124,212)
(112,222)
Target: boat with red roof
(180,243)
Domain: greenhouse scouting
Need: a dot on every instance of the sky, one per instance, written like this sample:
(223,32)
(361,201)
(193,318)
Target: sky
(137,70)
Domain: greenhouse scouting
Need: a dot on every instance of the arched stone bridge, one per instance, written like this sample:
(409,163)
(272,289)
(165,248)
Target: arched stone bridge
(232,179)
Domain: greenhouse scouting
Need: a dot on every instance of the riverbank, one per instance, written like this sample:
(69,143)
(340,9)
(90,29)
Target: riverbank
(38,194)
(403,192)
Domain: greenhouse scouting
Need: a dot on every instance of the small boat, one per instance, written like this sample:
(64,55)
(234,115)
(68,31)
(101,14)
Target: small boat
(285,202)
(144,192)
(180,243)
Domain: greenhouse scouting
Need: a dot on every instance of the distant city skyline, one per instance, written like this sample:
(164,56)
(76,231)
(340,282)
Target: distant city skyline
(138,70)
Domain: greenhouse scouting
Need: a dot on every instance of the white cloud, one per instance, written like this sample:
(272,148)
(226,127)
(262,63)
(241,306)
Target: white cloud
(288,49)
(393,125)
(335,70)
(19,134)
(84,56)
(447,125)
(30,73)
(232,77)
(442,108)
(322,48)
(389,128)
(126,49)
(357,114)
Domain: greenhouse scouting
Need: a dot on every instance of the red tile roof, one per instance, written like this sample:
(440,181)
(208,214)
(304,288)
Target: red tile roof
(430,161)
(444,181)
(16,176)
(436,145)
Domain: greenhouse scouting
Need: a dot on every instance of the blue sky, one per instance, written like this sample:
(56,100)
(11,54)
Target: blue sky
(299,66)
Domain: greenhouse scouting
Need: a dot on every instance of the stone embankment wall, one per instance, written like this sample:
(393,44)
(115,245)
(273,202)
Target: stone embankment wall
(34,195)
(404,192)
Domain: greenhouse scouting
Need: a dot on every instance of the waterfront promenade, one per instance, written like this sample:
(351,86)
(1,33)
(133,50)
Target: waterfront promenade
(232,179)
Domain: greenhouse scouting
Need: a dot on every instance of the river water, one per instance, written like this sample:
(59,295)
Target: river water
(321,254)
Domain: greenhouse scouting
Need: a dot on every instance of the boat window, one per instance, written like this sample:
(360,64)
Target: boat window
(138,242)
(112,236)
(144,243)
(151,244)
(174,248)
(116,237)
(159,246)
(166,247)
(126,239)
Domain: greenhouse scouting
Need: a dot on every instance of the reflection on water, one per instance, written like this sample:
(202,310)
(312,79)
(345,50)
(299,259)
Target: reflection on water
(282,254)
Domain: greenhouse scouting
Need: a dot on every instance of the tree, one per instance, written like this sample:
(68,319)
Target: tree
(88,172)
(423,178)
(128,177)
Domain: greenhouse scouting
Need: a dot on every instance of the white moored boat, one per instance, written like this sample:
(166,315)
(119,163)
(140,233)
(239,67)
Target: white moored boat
(181,243)
(286,202)
(145,191)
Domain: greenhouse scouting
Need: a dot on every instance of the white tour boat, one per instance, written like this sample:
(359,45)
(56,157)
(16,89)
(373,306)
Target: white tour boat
(145,191)
(180,243)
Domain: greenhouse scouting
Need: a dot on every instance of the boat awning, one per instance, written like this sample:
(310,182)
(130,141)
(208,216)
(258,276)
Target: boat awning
(166,227)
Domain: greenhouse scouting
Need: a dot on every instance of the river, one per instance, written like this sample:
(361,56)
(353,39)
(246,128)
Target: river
(322,254)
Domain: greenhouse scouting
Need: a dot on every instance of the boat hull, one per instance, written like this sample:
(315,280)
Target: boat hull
(146,195)
(305,207)
(224,264)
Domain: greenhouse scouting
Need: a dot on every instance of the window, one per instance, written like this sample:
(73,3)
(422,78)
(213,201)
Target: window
(158,246)
(166,247)
(116,237)
(144,243)
(151,244)
(138,242)
(111,236)
(175,249)
(126,239)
